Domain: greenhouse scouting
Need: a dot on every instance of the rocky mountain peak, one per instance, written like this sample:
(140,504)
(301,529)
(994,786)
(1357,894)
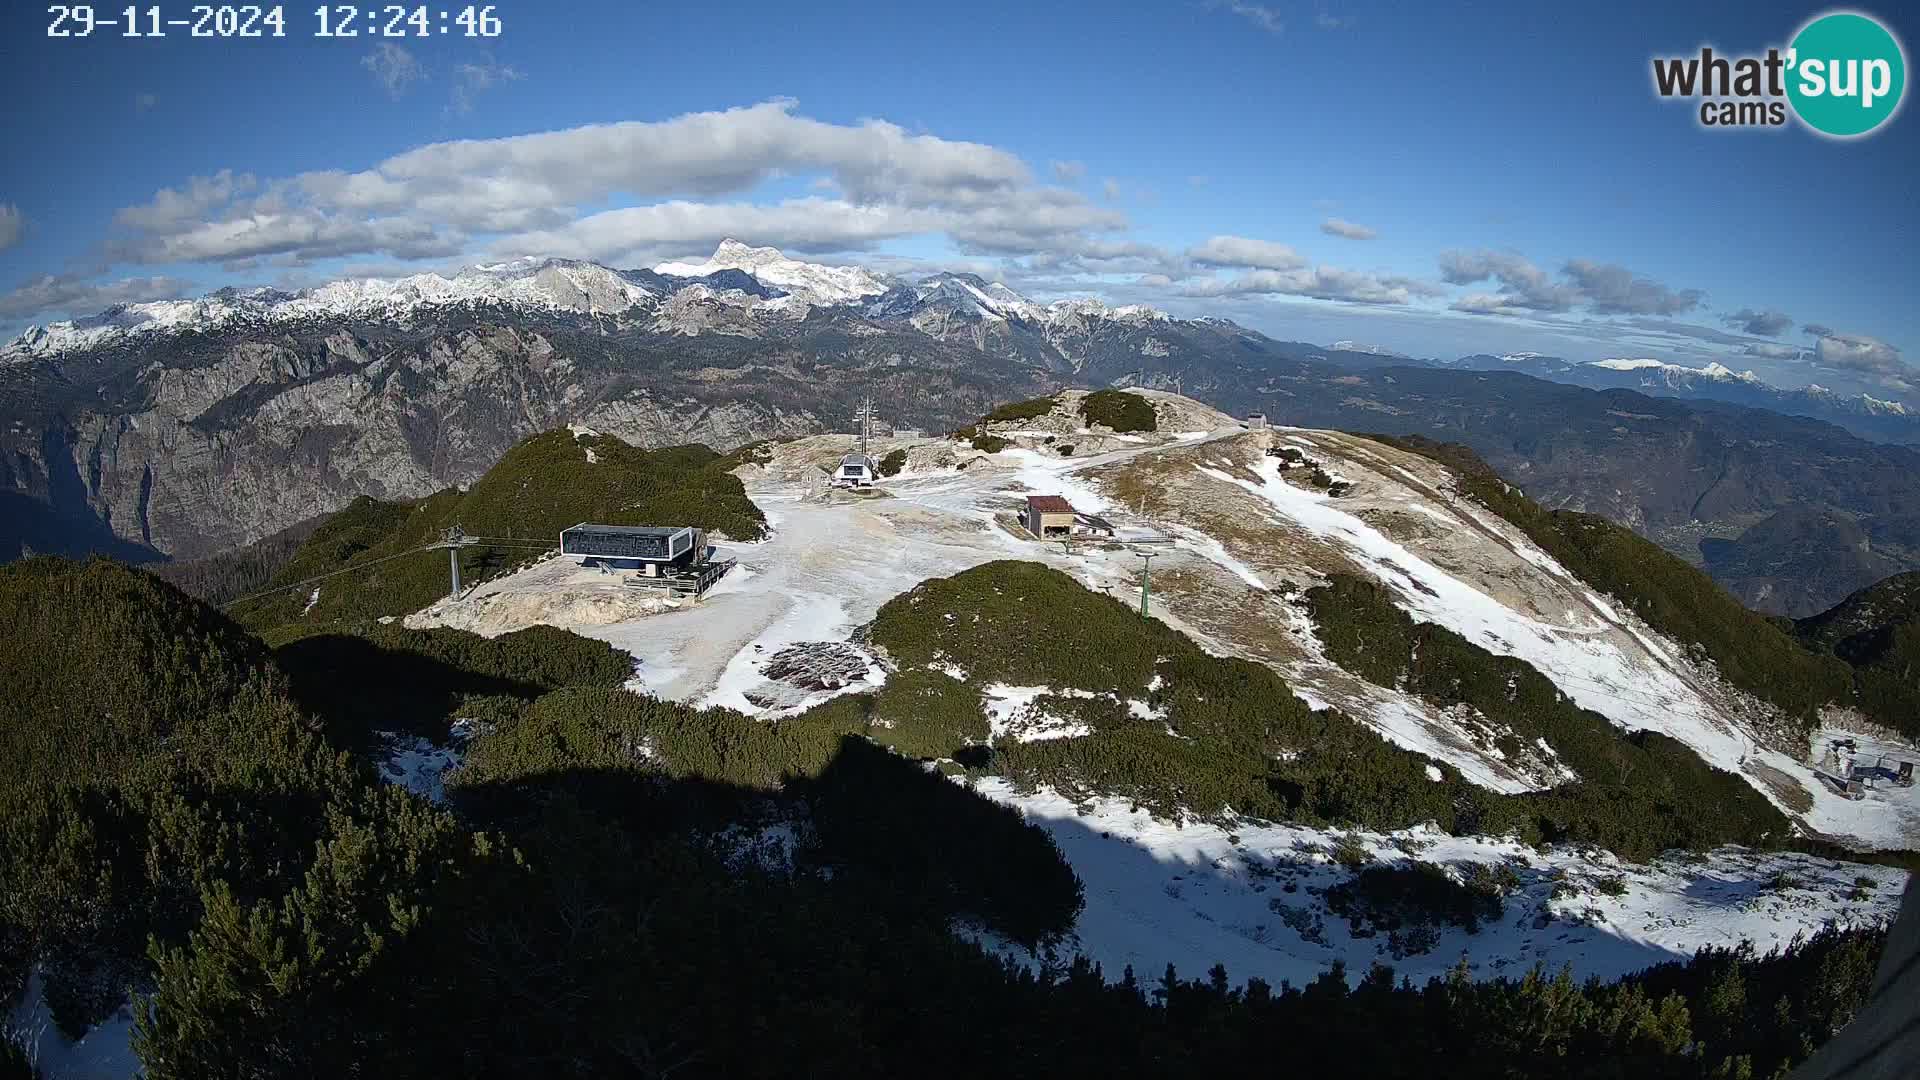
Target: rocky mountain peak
(811,283)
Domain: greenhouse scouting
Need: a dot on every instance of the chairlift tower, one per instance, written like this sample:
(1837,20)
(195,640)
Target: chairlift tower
(453,539)
(1146,570)
(866,422)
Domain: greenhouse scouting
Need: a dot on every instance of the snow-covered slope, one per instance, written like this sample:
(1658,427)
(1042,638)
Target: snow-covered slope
(1252,896)
(814,283)
(1231,545)
(965,294)
(554,284)
(1866,404)
(1450,562)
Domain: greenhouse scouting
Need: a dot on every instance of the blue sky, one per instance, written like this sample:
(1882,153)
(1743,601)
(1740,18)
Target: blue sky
(1506,178)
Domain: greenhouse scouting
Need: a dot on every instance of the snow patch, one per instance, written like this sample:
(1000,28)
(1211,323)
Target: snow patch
(1013,712)
(421,765)
(104,1053)
(1213,551)
(1246,894)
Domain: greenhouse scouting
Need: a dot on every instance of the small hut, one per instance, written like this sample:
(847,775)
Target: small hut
(1049,517)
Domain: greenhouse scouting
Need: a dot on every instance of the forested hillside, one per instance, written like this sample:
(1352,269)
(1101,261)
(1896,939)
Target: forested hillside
(1877,632)
(228,576)
(580,908)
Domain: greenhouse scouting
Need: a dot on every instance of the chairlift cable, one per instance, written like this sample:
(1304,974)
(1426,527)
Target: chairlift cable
(325,576)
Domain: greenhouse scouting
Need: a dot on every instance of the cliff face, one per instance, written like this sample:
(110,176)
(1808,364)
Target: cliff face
(272,433)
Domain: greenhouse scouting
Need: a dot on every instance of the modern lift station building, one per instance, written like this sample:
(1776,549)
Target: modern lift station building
(649,548)
(855,471)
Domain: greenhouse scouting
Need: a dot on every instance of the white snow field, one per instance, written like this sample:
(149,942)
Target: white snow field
(104,1053)
(1189,893)
(1193,894)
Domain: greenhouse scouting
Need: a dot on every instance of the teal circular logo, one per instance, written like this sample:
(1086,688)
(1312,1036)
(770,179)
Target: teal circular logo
(1846,74)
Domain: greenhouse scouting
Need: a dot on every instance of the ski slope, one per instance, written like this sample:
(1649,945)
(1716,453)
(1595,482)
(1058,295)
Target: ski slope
(1193,893)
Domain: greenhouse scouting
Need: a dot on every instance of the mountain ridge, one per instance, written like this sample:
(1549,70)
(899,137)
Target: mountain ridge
(186,427)
(1880,420)
(763,278)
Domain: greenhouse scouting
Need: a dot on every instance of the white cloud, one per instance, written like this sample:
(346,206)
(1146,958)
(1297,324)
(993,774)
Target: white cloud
(526,195)
(1334,226)
(1487,304)
(72,293)
(472,80)
(441,197)
(1601,288)
(1526,286)
(394,68)
(308,235)
(13,225)
(1765,323)
(1320,282)
(1070,258)
(1259,15)
(707,153)
(1864,355)
(642,234)
(1615,290)
(1240,251)
(170,208)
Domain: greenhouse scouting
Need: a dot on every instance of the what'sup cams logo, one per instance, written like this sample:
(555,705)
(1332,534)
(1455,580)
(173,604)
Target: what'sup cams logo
(1843,75)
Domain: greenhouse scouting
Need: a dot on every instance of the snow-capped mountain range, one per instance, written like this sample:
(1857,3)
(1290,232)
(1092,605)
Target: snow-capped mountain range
(742,290)
(1678,373)
(540,283)
(672,297)
(1368,348)
(1863,414)
(1656,375)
